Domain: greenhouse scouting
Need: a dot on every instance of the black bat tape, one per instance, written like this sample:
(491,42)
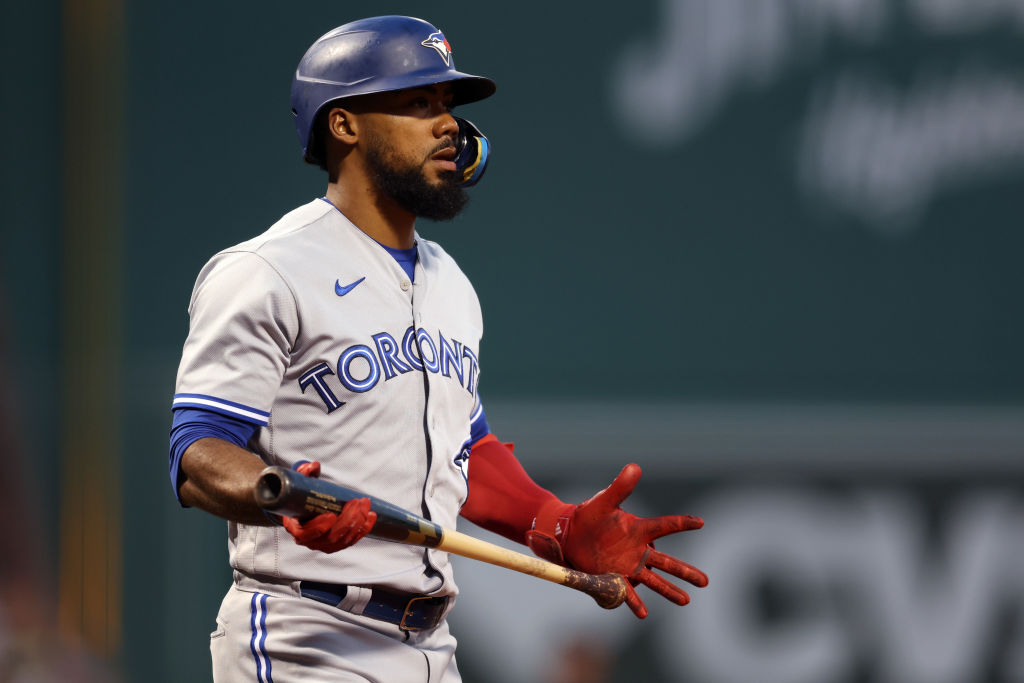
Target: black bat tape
(287,493)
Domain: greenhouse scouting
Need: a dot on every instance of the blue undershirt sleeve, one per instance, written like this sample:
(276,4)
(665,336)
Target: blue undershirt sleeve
(191,424)
(478,427)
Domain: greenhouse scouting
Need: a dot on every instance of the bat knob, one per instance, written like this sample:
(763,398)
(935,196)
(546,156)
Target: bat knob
(609,590)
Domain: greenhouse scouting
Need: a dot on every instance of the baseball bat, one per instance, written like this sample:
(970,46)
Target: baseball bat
(285,492)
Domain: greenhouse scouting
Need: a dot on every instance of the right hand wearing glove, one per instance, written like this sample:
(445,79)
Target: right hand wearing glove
(330,532)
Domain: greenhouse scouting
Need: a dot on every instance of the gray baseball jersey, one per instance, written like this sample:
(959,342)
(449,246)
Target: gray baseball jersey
(314,331)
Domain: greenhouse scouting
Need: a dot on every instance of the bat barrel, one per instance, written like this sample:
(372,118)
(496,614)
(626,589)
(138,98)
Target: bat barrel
(273,493)
(287,493)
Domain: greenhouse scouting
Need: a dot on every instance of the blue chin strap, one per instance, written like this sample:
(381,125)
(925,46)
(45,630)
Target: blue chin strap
(471,152)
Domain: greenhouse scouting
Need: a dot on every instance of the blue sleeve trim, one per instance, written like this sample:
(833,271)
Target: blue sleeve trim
(222,406)
(191,424)
(478,427)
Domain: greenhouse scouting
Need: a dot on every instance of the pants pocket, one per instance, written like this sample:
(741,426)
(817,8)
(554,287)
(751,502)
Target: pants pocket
(220,632)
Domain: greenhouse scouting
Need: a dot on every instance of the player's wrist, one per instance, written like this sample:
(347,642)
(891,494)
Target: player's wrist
(550,528)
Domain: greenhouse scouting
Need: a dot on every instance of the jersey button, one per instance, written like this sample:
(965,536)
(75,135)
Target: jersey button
(404,285)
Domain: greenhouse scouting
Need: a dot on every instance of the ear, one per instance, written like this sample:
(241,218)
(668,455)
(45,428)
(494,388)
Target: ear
(341,125)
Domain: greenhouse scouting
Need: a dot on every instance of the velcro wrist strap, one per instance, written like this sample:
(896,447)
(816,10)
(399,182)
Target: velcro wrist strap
(550,527)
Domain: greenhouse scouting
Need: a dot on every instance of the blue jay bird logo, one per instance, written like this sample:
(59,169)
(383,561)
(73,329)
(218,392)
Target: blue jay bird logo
(437,41)
(461,460)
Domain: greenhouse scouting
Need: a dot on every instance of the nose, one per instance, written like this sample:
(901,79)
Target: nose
(446,125)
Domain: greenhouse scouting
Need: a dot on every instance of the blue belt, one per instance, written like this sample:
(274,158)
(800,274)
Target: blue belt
(409,611)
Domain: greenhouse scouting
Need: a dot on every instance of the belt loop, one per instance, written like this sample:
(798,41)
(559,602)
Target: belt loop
(355,599)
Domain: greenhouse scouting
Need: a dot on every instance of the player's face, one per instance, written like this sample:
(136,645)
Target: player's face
(410,136)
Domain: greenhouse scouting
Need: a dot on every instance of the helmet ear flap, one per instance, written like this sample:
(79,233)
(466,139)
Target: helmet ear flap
(472,150)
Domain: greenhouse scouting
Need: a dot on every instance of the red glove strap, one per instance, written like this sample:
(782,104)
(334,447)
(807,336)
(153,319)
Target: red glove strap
(550,528)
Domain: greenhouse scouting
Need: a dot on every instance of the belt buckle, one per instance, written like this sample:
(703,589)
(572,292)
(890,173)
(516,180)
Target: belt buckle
(409,612)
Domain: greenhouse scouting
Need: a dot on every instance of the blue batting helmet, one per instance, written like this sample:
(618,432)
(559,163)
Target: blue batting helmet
(374,55)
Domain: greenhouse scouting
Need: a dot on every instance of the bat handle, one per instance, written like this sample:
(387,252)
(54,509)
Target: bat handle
(608,590)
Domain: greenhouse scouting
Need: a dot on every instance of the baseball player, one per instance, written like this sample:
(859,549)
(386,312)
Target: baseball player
(342,343)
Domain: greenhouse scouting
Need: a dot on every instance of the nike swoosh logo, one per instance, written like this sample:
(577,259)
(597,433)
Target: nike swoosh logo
(342,291)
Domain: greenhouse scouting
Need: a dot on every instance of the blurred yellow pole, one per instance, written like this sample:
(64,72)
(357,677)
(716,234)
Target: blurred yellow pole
(90,521)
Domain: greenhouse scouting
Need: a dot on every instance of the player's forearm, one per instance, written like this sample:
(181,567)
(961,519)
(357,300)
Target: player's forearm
(502,496)
(218,477)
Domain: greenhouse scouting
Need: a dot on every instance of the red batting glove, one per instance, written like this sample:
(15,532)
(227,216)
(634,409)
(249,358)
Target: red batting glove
(330,532)
(599,537)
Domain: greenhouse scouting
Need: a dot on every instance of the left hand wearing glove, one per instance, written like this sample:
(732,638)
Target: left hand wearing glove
(598,536)
(330,532)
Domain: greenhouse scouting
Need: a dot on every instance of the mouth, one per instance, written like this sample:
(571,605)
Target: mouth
(444,158)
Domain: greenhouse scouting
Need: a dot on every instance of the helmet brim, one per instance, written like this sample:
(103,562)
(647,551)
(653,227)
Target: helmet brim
(468,88)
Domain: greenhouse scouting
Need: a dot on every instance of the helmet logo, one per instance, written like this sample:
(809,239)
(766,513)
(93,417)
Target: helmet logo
(437,41)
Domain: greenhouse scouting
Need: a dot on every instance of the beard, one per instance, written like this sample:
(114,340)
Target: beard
(409,188)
